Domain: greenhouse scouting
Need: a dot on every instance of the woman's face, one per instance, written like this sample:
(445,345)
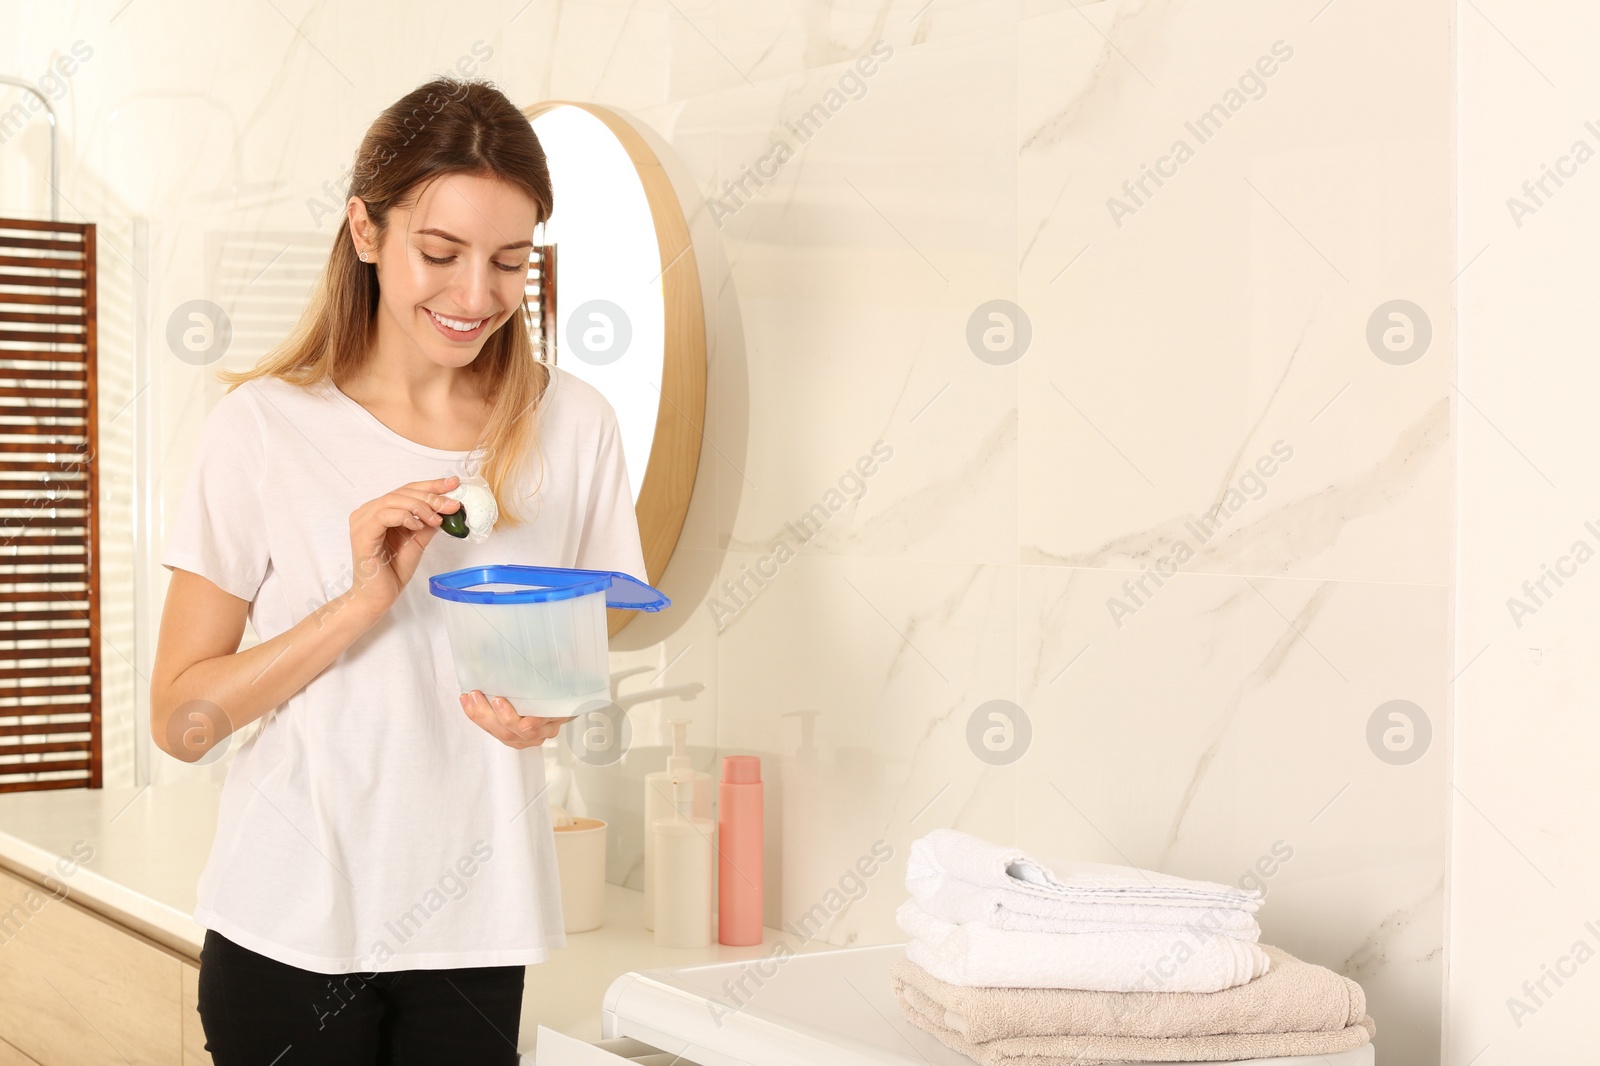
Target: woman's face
(452,267)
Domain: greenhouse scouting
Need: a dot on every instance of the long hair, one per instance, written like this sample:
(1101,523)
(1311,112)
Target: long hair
(446,126)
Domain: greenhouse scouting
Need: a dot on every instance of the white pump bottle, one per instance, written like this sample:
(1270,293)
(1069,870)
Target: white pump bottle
(660,793)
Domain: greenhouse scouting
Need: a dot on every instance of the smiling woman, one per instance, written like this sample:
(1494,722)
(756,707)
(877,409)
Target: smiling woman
(319,471)
(432,259)
(449,274)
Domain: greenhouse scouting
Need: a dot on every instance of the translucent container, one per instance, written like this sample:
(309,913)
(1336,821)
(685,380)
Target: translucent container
(536,635)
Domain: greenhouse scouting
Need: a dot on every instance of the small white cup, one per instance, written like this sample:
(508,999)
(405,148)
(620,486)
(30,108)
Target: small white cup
(581,857)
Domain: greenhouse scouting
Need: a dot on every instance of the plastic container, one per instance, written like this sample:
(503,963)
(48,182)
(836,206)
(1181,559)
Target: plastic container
(536,635)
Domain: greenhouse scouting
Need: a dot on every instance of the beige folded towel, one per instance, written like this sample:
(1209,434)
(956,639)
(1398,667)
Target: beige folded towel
(1295,1008)
(1293,996)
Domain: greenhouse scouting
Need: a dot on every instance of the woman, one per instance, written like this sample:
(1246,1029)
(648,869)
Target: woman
(384,866)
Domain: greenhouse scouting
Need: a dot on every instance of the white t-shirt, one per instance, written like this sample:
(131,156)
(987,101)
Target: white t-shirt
(370,825)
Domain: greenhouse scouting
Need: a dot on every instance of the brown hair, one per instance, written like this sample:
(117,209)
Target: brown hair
(446,126)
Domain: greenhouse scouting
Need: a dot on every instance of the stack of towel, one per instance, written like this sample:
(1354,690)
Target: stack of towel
(1011,959)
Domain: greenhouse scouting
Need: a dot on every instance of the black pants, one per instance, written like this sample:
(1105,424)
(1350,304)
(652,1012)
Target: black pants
(257,1011)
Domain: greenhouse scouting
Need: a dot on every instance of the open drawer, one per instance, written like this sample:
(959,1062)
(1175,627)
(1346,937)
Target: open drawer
(557,1049)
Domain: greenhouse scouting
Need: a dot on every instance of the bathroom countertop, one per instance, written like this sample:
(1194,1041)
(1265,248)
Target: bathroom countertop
(149,846)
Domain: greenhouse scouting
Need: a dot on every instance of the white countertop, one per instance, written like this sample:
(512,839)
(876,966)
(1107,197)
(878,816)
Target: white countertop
(150,845)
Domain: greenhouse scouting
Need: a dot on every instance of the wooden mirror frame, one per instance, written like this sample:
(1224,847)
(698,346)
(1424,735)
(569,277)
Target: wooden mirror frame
(675,449)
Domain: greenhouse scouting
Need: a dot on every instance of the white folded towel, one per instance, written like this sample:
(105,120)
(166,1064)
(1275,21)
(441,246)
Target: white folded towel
(975,955)
(954,900)
(945,853)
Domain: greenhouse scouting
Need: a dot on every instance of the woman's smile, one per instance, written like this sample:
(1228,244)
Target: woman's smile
(458,330)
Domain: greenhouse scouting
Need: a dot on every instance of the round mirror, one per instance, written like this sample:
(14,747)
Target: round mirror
(616,300)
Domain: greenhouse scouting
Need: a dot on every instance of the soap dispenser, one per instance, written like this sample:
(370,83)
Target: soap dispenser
(684,848)
(660,791)
(808,820)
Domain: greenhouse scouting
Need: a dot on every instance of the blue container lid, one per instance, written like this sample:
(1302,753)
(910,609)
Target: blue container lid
(539,584)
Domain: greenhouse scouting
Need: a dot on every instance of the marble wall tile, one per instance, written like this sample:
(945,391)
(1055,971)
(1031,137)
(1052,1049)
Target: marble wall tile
(892,655)
(1182,333)
(1228,722)
(857,266)
(778,39)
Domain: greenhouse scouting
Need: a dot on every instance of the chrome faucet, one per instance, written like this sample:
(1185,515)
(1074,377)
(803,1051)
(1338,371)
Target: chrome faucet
(683,691)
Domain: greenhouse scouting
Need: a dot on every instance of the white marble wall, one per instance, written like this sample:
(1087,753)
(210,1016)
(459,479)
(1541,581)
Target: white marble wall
(1227,715)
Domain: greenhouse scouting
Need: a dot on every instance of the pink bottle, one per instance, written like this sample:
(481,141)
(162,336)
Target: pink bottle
(739,847)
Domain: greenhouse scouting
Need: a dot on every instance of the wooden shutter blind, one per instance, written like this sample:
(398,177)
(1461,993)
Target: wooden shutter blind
(50,716)
(541,294)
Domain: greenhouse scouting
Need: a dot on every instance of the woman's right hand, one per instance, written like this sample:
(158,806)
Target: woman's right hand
(501,721)
(388,535)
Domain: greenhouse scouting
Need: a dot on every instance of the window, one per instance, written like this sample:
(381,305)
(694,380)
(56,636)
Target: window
(50,700)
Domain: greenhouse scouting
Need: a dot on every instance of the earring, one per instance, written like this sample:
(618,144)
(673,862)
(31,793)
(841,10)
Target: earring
(363,256)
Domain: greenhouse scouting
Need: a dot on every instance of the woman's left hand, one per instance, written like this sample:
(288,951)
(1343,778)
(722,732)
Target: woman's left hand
(501,721)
